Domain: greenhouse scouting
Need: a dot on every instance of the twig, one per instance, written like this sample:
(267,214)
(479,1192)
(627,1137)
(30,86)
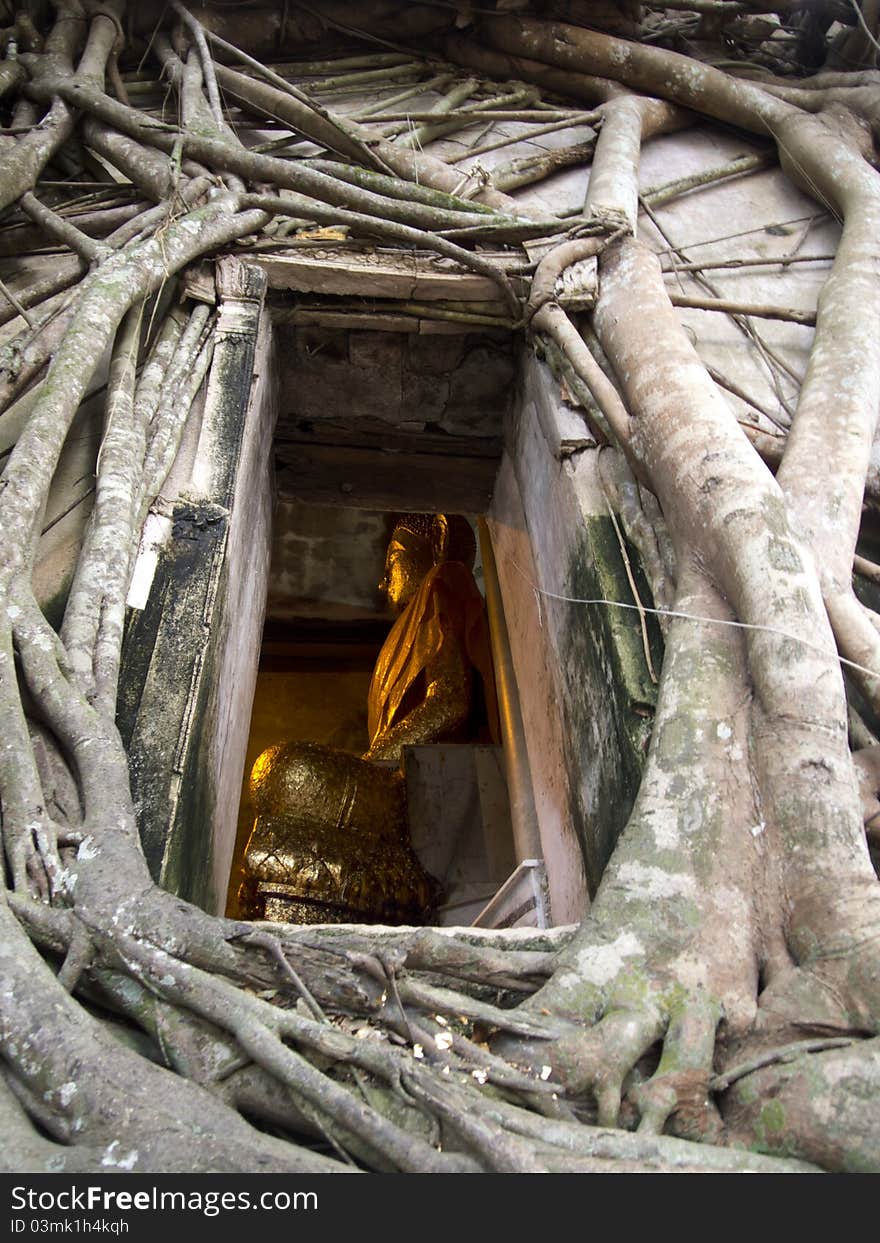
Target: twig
(859,734)
(348,144)
(412,92)
(730,237)
(421,310)
(719,8)
(392,187)
(475,113)
(585,118)
(771,359)
(657,196)
(380,227)
(731,386)
(500,1150)
(552,319)
(270,943)
(420,137)
(867,569)
(759,309)
(866,30)
(198,33)
(116,79)
(68,509)
(63,231)
(80,953)
(16,305)
(369,77)
(369,60)
(643,622)
(434,999)
(782,261)
(531,168)
(488,1065)
(784,1053)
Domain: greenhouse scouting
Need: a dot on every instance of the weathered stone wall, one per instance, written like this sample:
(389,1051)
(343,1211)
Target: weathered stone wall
(327,562)
(586,696)
(388,420)
(190,657)
(538,676)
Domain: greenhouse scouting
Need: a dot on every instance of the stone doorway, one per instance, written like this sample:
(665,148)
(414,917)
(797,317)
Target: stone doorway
(299,423)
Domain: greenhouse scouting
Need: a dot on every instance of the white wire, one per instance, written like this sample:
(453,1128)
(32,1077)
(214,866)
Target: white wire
(698,617)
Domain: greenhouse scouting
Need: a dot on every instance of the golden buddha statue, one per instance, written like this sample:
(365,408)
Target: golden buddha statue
(330,842)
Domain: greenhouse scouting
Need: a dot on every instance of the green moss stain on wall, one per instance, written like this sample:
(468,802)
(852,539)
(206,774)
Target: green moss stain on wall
(608,696)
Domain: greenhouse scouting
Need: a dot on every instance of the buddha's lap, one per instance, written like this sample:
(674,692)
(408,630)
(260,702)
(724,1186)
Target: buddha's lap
(305,787)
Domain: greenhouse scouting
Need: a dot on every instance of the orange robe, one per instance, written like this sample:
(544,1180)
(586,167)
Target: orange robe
(447,608)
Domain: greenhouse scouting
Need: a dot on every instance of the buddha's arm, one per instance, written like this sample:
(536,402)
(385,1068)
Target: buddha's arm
(445,706)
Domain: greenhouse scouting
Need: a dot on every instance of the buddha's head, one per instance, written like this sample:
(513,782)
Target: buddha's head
(418,543)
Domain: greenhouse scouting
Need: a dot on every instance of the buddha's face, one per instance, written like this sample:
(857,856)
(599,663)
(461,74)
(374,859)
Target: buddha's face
(407,561)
